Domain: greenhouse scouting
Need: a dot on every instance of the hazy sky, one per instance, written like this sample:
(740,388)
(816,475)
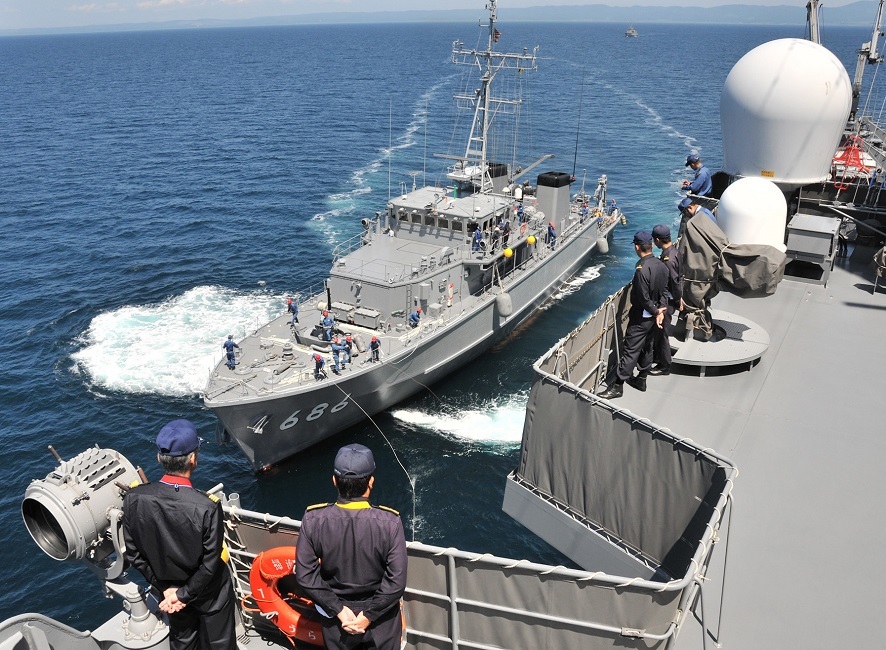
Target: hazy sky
(24,14)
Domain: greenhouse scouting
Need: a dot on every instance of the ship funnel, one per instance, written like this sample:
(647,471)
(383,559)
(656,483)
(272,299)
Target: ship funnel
(782,111)
(75,512)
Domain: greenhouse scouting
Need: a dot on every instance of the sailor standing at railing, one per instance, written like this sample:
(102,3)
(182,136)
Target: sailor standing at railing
(375,348)
(229,346)
(551,236)
(174,536)
(702,184)
(292,308)
(351,559)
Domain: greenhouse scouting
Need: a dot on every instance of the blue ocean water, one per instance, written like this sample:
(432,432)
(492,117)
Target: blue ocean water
(159,190)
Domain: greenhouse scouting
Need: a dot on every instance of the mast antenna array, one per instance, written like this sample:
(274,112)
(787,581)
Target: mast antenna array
(486,106)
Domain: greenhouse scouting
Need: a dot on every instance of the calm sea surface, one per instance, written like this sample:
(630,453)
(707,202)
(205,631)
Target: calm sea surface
(159,190)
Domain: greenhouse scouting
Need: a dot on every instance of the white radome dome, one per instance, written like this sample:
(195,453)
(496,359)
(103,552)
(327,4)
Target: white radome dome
(782,110)
(753,211)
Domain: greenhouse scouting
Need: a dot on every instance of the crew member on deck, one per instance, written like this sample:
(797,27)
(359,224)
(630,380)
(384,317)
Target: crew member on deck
(689,208)
(349,348)
(229,346)
(337,348)
(319,363)
(702,184)
(661,237)
(647,313)
(477,241)
(375,348)
(351,559)
(174,536)
(328,323)
(415,317)
(292,308)
(505,232)
(551,236)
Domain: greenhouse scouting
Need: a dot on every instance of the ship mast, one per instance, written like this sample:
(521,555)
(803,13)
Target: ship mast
(486,105)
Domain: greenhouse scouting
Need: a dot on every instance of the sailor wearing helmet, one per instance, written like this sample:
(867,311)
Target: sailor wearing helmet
(375,348)
(319,373)
(327,323)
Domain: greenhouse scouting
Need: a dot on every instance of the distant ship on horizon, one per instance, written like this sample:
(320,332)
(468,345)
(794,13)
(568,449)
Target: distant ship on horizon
(631,32)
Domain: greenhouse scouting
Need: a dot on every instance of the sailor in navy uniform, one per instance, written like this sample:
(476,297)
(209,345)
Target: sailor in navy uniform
(337,349)
(174,536)
(477,241)
(319,363)
(415,317)
(661,236)
(327,323)
(229,346)
(351,559)
(648,304)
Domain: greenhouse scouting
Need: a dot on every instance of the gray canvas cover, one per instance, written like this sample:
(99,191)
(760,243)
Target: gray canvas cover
(709,261)
(625,475)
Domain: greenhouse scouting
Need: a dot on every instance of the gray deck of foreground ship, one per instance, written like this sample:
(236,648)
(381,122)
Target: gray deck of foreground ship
(805,429)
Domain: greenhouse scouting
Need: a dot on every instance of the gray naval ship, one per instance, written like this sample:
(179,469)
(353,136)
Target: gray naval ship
(671,548)
(474,259)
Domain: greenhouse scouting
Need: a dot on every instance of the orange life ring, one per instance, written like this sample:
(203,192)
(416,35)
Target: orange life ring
(267,568)
(523,230)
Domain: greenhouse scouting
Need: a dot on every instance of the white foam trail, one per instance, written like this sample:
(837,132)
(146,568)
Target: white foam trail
(346,203)
(492,423)
(170,348)
(588,275)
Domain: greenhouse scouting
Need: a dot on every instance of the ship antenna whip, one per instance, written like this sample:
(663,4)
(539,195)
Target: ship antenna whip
(394,451)
(390,141)
(578,126)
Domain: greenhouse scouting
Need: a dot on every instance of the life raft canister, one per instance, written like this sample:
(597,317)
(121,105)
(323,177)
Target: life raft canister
(267,568)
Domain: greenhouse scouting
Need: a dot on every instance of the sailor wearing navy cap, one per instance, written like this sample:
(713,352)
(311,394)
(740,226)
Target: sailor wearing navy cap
(701,185)
(689,208)
(351,559)
(173,535)
(661,236)
(648,304)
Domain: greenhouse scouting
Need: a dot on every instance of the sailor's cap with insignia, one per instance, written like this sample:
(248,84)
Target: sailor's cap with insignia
(354,461)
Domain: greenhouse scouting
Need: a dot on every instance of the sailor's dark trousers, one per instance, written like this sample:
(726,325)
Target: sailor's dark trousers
(637,348)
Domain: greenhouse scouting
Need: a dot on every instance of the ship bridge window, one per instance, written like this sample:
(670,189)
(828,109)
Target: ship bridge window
(402,216)
(443,223)
(416,217)
(429,220)
(457,226)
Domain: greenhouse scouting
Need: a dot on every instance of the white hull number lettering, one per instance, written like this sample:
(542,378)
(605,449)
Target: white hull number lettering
(316,413)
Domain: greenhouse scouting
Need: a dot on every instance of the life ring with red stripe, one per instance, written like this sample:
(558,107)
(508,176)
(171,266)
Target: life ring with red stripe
(267,569)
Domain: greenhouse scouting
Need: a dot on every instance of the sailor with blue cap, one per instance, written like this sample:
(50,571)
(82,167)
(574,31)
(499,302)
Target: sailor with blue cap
(702,184)
(173,536)
(648,304)
(689,208)
(351,559)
